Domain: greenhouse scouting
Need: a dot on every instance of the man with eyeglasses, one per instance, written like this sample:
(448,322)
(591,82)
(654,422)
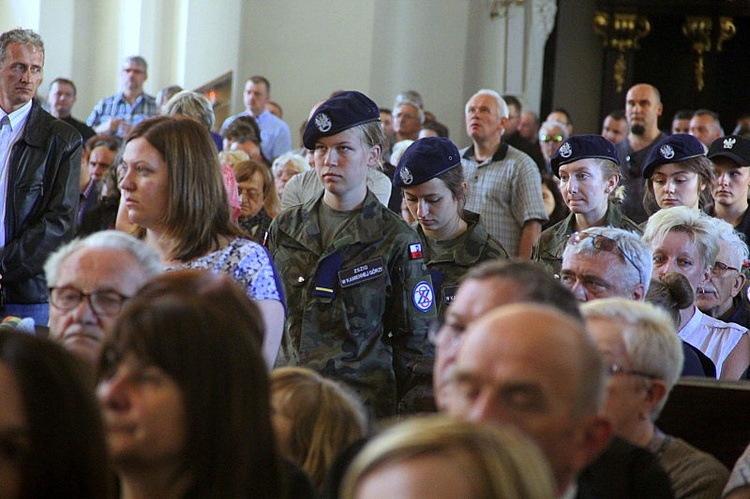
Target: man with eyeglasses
(89,281)
(551,136)
(407,121)
(119,113)
(721,297)
(604,262)
(642,350)
(601,262)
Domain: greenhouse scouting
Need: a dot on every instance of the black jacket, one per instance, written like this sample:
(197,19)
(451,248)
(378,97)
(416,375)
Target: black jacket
(41,206)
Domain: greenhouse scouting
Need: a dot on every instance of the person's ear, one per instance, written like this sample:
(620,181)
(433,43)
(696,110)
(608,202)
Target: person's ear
(739,283)
(655,394)
(639,292)
(612,183)
(373,156)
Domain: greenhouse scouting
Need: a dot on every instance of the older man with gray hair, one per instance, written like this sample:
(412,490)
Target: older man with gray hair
(536,368)
(505,186)
(601,262)
(721,297)
(90,279)
(644,355)
(118,113)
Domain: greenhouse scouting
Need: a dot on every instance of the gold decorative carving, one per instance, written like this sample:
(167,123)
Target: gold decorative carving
(621,32)
(727,30)
(698,30)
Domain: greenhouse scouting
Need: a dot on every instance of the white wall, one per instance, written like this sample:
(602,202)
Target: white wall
(307,48)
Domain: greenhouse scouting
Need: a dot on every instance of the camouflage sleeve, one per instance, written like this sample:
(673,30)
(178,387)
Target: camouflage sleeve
(410,308)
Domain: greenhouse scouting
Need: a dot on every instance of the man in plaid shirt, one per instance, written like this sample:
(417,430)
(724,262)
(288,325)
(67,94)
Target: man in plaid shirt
(117,114)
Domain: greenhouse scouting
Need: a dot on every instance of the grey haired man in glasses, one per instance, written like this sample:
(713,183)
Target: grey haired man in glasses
(602,262)
(90,280)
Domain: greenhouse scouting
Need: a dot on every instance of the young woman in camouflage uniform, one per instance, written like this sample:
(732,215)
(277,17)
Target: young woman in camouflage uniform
(359,293)
(587,166)
(454,240)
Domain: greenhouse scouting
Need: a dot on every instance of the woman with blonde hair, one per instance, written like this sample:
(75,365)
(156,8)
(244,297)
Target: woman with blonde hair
(172,189)
(686,240)
(314,418)
(437,457)
(587,166)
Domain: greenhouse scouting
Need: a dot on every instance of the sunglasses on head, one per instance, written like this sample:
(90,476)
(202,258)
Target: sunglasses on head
(603,243)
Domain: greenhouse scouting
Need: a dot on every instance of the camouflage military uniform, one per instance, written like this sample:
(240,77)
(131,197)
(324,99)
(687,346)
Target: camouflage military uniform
(551,243)
(467,250)
(359,309)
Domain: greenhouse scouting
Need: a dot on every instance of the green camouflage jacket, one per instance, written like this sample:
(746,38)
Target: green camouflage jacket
(476,247)
(359,309)
(551,243)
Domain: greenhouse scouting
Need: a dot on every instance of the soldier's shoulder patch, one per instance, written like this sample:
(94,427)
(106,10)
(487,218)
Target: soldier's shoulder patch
(423,296)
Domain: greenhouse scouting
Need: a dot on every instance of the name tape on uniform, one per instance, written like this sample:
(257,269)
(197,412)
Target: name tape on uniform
(361,273)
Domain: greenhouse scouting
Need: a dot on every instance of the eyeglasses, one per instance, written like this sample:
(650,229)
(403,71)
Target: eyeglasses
(615,369)
(551,138)
(604,243)
(720,269)
(103,303)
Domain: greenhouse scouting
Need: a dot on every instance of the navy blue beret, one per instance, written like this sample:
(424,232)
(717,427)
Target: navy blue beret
(582,147)
(339,113)
(673,149)
(734,147)
(424,160)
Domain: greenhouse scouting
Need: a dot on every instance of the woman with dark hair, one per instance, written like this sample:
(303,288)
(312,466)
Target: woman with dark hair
(432,181)
(172,188)
(51,434)
(259,202)
(678,173)
(184,392)
(674,293)
(554,203)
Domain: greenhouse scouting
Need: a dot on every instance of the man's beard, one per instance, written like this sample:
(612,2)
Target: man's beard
(637,129)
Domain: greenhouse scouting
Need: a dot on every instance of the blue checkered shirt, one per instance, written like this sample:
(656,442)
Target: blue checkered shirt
(117,107)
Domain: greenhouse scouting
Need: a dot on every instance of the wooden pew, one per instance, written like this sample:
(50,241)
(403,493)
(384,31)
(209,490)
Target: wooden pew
(712,415)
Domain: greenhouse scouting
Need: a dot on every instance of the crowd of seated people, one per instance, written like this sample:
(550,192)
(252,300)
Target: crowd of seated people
(238,349)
